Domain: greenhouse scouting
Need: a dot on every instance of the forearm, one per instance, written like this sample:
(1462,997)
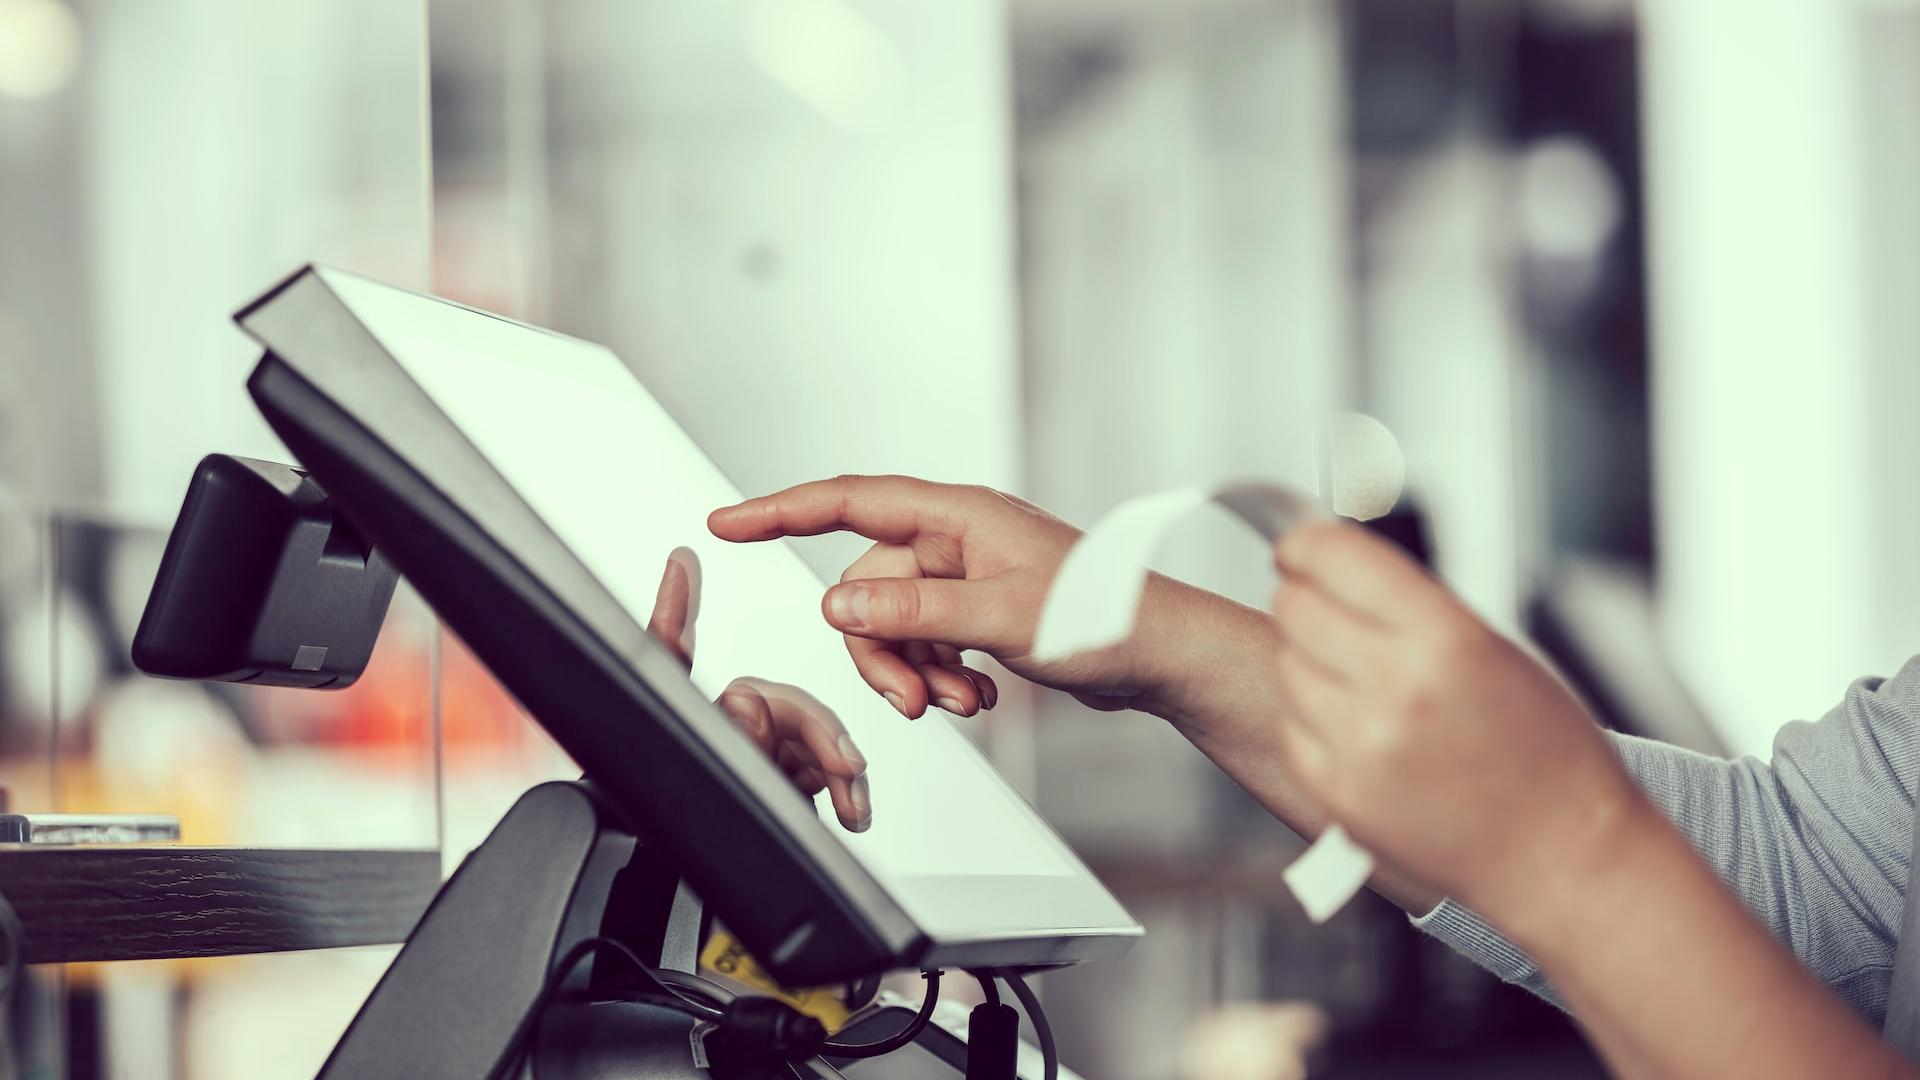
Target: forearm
(1607,926)
(1814,846)
(1449,749)
(1214,685)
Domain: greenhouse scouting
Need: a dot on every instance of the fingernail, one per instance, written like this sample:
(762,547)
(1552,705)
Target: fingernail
(852,754)
(862,805)
(989,696)
(897,702)
(948,704)
(850,606)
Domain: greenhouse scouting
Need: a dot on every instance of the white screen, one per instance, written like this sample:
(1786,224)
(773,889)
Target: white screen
(607,469)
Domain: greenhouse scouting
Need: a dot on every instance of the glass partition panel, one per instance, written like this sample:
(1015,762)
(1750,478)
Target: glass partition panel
(160,165)
(27,637)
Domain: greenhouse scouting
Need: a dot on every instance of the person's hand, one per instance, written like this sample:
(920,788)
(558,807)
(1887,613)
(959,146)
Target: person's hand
(1434,740)
(800,734)
(952,568)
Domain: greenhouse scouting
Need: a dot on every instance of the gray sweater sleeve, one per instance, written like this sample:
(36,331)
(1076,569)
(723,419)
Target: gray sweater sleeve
(1815,843)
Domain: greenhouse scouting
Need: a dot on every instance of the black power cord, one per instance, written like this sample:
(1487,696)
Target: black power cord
(1037,1016)
(898,1039)
(762,1037)
(557,977)
(988,985)
(993,1034)
(769,1023)
(750,1028)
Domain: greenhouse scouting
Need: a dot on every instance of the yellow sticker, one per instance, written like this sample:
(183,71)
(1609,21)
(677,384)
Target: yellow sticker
(725,956)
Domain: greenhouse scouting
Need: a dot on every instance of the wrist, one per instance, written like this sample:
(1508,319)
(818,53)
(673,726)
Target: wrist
(1200,655)
(1548,893)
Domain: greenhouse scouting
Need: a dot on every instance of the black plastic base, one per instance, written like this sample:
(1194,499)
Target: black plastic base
(459,1001)
(453,1003)
(625,1040)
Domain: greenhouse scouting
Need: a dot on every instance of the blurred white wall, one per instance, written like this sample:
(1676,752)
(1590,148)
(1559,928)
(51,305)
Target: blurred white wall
(1445,370)
(793,219)
(1186,222)
(1887,76)
(1184,244)
(1782,441)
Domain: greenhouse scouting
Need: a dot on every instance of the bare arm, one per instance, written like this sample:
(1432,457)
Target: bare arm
(1464,762)
(1815,842)
(1230,715)
(1373,697)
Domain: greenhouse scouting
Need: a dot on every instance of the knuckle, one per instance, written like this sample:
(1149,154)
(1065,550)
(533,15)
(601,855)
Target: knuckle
(1382,730)
(1295,546)
(1425,665)
(872,562)
(747,708)
(1434,655)
(1312,766)
(898,606)
(1387,740)
(1283,601)
(1405,705)
(1288,667)
(1287,607)
(1341,539)
(1455,643)
(1311,542)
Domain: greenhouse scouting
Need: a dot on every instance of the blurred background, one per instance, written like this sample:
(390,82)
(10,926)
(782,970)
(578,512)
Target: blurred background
(1631,286)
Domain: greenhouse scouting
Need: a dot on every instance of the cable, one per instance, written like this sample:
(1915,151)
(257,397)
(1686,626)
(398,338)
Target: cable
(993,1034)
(898,1039)
(1036,1015)
(987,985)
(529,1023)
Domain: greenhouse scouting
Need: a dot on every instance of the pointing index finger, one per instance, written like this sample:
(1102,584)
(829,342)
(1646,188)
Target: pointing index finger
(891,509)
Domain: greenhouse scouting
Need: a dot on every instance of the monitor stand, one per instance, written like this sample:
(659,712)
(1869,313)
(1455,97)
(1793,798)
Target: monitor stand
(459,1000)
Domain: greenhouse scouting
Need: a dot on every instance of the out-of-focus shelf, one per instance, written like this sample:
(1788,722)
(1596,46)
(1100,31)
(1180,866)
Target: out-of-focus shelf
(111,902)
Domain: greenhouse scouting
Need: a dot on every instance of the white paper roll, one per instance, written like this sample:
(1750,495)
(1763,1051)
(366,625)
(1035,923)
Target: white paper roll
(1095,600)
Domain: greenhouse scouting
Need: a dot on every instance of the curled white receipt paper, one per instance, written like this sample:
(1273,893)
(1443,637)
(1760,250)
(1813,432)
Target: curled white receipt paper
(1095,600)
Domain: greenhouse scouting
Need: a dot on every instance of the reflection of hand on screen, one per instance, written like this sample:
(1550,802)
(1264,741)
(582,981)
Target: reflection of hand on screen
(800,734)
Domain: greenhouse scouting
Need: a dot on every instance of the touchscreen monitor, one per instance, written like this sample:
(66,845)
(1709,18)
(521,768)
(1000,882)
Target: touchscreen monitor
(548,450)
